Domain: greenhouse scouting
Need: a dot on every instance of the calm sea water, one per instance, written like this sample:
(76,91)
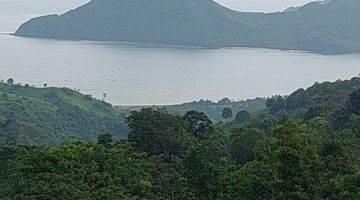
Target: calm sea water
(133,75)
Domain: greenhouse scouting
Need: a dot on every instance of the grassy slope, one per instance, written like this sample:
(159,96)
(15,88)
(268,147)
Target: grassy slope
(53,115)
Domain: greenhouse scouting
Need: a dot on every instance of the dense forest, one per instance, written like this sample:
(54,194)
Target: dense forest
(55,116)
(212,109)
(301,146)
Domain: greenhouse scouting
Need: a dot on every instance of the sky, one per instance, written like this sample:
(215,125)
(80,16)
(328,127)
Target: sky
(262,5)
(14,12)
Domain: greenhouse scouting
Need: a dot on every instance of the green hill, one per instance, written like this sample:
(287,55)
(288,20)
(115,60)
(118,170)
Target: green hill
(337,101)
(212,109)
(324,27)
(326,97)
(50,116)
(263,155)
(215,109)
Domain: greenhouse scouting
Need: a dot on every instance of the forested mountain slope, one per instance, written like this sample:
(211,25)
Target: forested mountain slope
(325,98)
(325,27)
(256,156)
(338,102)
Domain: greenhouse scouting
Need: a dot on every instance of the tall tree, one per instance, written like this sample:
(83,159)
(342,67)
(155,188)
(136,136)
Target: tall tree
(227,113)
(198,124)
(242,116)
(355,102)
(156,131)
(10,81)
(244,144)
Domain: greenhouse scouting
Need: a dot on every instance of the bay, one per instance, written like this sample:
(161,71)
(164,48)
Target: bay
(147,75)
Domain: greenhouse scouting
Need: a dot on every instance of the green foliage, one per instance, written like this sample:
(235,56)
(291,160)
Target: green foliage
(252,182)
(227,113)
(160,160)
(214,109)
(298,99)
(336,101)
(243,144)
(169,180)
(205,164)
(79,171)
(105,139)
(355,102)
(51,116)
(259,155)
(276,105)
(10,81)
(242,116)
(156,132)
(198,124)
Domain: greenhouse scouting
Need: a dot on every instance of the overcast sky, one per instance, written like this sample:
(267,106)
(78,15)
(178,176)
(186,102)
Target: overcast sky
(262,5)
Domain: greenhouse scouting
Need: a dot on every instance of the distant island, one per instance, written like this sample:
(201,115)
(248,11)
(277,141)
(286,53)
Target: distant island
(329,27)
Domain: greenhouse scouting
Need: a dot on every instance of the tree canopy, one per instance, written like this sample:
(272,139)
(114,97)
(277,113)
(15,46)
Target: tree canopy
(270,155)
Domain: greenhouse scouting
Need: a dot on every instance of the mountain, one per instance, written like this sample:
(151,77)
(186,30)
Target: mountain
(174,22)
(323,27)
(50,116)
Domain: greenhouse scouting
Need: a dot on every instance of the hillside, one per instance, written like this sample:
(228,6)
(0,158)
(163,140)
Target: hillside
(215,109)
(323,27)
(337,101)
(329,26)
(256,156)
(50,116)
(326,96)
(212,109)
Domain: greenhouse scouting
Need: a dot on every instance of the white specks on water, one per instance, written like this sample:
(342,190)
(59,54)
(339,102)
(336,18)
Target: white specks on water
(133,76)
